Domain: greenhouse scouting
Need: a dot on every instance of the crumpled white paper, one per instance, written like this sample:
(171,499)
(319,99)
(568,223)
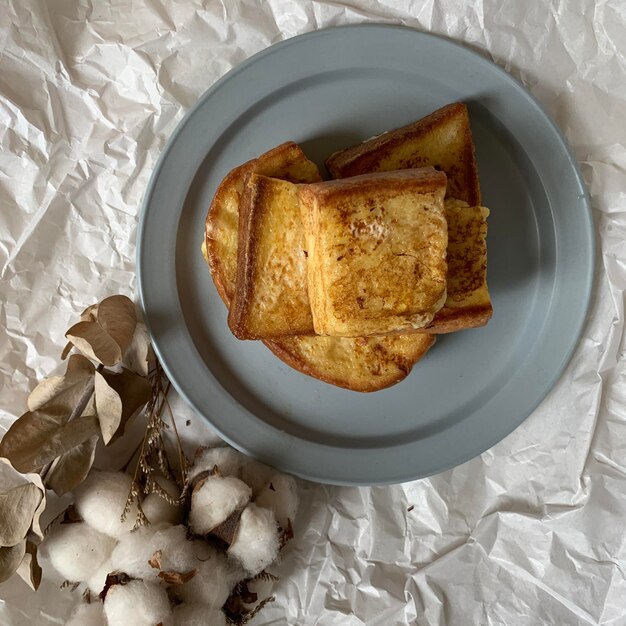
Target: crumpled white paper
(531,532)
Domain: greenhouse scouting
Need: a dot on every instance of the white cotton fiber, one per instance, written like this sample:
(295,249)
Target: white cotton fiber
(158,510)
(134,551)
(256,543)
(96,581)
(100,501)
(255,474)
(280,495)
(87,615)
(227,459)
(196,615)
(76,551)
(214,499)
(136,603)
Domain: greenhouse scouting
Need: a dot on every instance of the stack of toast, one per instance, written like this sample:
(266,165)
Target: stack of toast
(349,280)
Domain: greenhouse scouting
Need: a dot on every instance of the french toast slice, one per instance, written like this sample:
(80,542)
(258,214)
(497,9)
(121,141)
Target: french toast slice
(376,252)
(442,139)
(468,304)
(271,296)
(357,364)
(287,162)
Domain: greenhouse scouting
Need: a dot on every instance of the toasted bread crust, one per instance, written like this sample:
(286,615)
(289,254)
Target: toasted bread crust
(449,320)
(383,152)
(270,298)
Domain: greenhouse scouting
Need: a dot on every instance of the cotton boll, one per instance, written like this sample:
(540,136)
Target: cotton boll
(136,603)
(213,581)
(214,499)
(197,615)
(280,495)
(256,543)
(134,551)
(227,459)
(96,581)
(77,551)
(100,501)
(158,510)
(255,474)
(87,615)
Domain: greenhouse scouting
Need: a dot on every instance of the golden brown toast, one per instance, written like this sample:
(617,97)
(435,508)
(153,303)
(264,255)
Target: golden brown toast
(468,304)
(271,297)
(353,363)
(442,139)
(376,252)
(286,162)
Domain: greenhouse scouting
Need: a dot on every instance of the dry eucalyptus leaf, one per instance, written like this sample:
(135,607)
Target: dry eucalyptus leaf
(63,392)
(108,408)
(10,559)
(38,437)
(88,315)
(29,569)
(71,469)
(17,509)
(134,392)
(137,357)
(92,340)
(118,317)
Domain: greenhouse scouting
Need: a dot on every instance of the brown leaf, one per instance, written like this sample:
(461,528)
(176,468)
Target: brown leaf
(71,469)
(38,437)
(118,317)
(227,530)
(177,578)
(88,315)
(138,354)
(60,394)
(10,559)
(108,408)
(29,569)
(106,332)
(155,560)
(17,509)
(134,392)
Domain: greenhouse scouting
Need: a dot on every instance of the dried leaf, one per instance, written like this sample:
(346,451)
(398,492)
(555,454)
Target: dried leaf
(155,560)
(29,569)
(71,469)
(60,394)
(134,392)
(105,332)
(10,559)
(108,408)
(38,437)
(17,509)
(137,356)
(227,530)
(177,578)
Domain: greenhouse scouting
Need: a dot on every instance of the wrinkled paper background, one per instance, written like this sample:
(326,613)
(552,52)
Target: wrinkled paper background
(531,532)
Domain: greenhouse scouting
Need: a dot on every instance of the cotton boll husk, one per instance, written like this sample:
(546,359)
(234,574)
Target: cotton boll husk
(214,499)
(215,577)
(227,459)
(100,501)
(77,551)
(158,510)
(96,581)
(256,543)
(136,603)
(87,615)
(280,495)
(196,615)
(134,551)
(255,474)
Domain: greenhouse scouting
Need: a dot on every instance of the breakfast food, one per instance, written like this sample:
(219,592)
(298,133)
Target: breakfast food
(350,280)
(271,296)
(359,364)
(442,139)
(376,252)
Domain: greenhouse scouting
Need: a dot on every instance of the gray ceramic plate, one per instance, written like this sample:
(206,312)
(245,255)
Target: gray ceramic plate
(327,90)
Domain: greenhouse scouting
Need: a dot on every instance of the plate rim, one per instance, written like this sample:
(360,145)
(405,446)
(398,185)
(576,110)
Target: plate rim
(589,233)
